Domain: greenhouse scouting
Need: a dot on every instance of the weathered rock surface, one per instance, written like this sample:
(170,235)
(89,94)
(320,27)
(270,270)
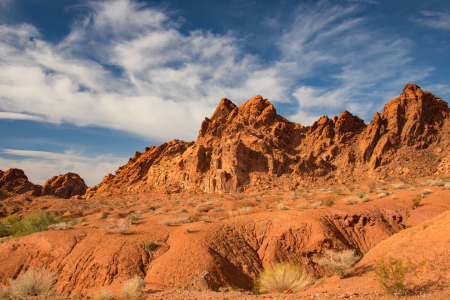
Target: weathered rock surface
(251,147)
(14,182)
(65,186)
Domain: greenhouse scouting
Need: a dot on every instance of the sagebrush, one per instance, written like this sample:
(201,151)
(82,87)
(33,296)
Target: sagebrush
(338,262)
(396,276)
(29,283)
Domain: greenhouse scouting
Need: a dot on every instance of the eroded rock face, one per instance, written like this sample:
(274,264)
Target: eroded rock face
(65,186)
(14,182)
(251,147)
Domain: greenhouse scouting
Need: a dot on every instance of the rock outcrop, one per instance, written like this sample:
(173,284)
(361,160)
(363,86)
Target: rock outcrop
(14,182)
(65,186)
(251,147)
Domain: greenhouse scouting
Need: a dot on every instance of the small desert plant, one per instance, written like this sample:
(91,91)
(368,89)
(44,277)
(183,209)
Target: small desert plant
(120,227)
(60,226)
(302,206)
(398,186)
(32,282)
(282,206)
(351,200)
(132,289)
(200,283)
(204,218)
(435,183)
(395,276)
(134,217)
(365,198)
(328,202)
(338,262)
(245,210)
(282,277)
(416,201)
(151,245)
(381,195)
(102,295)
(217,209)
(447,186)
(233,213)
(316,204)
(426,192)
(5,230)
(361,194)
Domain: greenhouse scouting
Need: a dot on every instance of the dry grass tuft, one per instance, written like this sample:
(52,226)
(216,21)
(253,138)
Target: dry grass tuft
(283,206)
(32,282)
(282,277)
(338,262)
(351,200)
(381,195)
(245,210)
(60,226)
(102,295)
(132,289)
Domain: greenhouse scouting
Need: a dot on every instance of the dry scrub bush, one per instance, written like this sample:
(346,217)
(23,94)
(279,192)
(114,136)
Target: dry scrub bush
(60,226)
(233,213)
(217,209)
(132,289)
(447,186)
(282,277)
(435,183)
(120,227)
(151,245)
(338,262)
(200,283)
(351,200)
(302,206)
(245,210)
(282,206)
(134,217)
(396,277)
(399,186)
(426,192)
(381,195)
(316,204)
(182,220)
(32,282)
(102,295)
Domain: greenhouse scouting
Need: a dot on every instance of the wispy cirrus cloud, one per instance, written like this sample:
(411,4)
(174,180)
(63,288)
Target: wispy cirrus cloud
(17,116)
(42,165)
(129,67)
(434,19)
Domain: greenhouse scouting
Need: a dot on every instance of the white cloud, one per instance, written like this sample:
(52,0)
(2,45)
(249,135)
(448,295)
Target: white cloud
(41,165)
(434,19)
(128,67)
(18,116)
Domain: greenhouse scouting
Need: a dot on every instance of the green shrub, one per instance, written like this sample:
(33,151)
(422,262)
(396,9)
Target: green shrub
(282,277)
(338,262)
(12,219)
(328,202)
(416,201)
(5,230)
(34,222)
(32,282)
(395,276)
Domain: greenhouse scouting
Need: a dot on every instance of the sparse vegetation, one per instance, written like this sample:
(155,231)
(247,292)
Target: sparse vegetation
(426,192)
(351,200)
(132,289)
(282,206)
(416,201)
(302,206)
(398,186)
(134,217)
(328,202)
(182,220)
(447,186)
(31,282)
(102,295)
(5,230)
(316,204)
(200,283)
(151,245)
(120,227)
(395,276)
(382,195)
(338,262)
(435,183)
(282,277)
(245,210)
(60,226)
(217,209)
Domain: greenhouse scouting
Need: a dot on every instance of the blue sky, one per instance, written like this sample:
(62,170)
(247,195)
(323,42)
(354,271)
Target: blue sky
(84,84)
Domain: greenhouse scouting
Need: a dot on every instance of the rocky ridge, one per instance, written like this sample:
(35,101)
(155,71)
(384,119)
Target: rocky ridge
(14,182)
(251,147)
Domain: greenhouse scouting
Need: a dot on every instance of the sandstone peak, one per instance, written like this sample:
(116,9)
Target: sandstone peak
(224,109)
(65,186)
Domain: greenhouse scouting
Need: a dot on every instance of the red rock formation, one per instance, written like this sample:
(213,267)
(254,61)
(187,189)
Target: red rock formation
(14,182)
(65,186)
(251,147)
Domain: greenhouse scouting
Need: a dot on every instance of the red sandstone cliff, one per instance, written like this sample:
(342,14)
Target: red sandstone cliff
(251,147)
